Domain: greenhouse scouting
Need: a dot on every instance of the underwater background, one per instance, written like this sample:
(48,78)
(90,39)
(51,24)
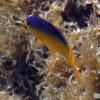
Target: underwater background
(28,71)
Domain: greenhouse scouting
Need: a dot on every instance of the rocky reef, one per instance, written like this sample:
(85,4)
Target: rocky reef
(28,71)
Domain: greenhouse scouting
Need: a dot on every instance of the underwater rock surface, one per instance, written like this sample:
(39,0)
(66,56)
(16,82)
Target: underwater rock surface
(29,72)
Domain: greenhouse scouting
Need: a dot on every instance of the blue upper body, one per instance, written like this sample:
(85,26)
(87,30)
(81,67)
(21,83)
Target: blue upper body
(44,26)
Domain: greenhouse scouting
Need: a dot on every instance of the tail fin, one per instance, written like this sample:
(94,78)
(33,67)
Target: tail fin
(71,60)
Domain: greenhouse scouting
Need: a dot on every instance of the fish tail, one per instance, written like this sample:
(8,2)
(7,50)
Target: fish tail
(72,62)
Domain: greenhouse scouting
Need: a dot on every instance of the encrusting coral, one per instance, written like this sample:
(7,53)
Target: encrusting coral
(32,73)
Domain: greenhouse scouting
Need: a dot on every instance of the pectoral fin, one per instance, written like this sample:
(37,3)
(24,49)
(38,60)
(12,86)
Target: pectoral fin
(39,41)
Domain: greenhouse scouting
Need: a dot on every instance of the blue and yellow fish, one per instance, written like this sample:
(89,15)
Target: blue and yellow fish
(53,39)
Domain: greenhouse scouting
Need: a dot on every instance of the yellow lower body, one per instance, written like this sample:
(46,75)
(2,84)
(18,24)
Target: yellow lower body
(56,45)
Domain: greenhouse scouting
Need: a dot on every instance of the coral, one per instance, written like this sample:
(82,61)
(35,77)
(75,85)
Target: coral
(28,71)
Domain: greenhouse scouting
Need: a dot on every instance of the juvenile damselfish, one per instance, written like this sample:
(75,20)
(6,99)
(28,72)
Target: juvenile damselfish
(53,39)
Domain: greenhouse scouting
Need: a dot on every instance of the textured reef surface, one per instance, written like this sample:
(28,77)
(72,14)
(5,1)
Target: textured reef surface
(28,71)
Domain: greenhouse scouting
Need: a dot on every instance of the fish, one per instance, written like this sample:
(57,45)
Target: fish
(53,39)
